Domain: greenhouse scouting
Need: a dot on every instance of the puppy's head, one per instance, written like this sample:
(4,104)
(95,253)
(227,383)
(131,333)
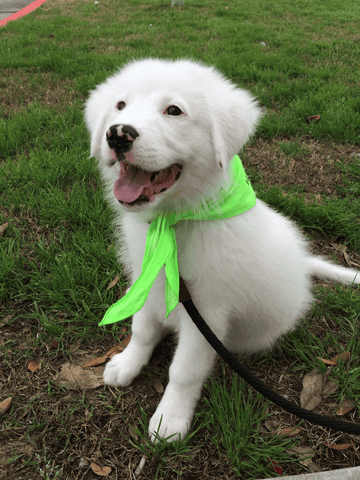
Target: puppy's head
(165,131)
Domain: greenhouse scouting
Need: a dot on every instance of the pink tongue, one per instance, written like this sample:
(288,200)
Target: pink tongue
(131,182)
(134,182)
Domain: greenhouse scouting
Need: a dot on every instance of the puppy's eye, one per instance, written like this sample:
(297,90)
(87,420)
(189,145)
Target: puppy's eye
(120,105)
(173,110)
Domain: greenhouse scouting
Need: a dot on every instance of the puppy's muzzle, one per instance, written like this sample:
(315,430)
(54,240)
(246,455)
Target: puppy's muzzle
(121,137)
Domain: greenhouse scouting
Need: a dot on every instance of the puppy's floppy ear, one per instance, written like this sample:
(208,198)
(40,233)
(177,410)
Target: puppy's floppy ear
(234,115)
(96,118)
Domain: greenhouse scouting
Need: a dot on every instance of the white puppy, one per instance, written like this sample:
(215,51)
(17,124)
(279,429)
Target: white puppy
(248,275)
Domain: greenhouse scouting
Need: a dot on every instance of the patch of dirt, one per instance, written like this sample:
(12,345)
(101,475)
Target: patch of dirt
(20,89)
(314,168)
(332,248)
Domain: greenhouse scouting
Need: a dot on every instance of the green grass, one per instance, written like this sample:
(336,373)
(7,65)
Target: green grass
(293,149)
(57,256)
(235,417)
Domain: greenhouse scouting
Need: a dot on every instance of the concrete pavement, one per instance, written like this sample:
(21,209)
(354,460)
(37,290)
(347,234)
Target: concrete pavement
(342,474)
(13,9)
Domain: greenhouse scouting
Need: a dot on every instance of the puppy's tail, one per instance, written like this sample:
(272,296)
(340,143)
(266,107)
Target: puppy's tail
(330,272)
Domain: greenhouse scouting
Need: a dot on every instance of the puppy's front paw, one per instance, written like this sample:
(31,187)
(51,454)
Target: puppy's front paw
(122,368)
(170,420)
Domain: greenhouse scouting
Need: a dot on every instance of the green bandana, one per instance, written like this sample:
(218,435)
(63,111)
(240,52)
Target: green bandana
(161,247)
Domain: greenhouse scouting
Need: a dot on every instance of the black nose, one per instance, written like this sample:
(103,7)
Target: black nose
(121,137)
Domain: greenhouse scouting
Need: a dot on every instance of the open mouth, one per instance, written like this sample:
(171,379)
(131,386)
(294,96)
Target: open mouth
(136,186)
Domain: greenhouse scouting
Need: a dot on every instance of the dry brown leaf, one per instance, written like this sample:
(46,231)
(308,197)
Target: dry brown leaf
(345,407)
(6,320)
(310,396)
(343,446)
(101,472)
(313,118)
(335,360)
(346,256)
(75,345)
(329,387)
(342,357)
(115,350)
(99,360)
(4,406)
(314,467)
(118,348)
(122,332)
(3,227)
(75,377)
(302,452)
(327,362)
(125,342)
(158,385)
(271,425)
(54,344)
(132,431)
(113,282)
(95,361)
(33,365)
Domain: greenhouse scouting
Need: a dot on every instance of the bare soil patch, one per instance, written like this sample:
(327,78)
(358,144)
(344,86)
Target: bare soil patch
(20,89)
(315,168)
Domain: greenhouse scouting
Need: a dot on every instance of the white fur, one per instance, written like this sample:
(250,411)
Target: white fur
(248,275)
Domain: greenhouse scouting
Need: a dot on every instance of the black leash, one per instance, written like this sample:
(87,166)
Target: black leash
(324,421)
